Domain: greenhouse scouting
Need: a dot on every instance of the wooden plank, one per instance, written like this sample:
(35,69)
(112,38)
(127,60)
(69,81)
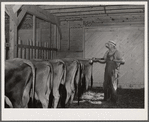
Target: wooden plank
(61,7)
(31,50)
(34,34)
(12,15)
(83,45)
(84,17)
(125,11)
(37,50)
(111,7)
(38,12)
(46,50)
(19,49)
(80,13)
(16,8)
(37,47)
(13,39)
(76,10)
(20,16)
(27,51)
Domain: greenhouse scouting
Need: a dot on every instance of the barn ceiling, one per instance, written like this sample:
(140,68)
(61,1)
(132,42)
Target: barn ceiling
(79,12)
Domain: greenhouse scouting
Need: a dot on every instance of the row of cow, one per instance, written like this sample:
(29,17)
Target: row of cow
(46,83)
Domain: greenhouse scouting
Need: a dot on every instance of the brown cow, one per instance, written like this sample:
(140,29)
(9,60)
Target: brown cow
(19,80)
(72,78)
(44,78)
(58,79)
(48,81)
(86,70)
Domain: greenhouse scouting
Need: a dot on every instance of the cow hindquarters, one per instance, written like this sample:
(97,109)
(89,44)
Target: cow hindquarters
(43,90)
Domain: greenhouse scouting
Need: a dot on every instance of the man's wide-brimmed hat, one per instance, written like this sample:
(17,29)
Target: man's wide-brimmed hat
(112,42)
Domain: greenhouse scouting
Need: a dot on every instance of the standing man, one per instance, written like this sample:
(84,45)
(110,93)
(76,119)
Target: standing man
(113,60)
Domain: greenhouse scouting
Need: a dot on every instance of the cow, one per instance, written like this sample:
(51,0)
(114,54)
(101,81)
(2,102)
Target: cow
(58,82)
(49,75)
(44,78)
(72,78)
(86,73)
(19,81)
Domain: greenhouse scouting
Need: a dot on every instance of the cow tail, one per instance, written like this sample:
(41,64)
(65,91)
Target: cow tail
(52,76)
(64,73)
(33,81)
(79,83)
(91,76)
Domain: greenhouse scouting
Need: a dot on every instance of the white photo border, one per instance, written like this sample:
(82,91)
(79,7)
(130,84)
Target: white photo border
(74,114)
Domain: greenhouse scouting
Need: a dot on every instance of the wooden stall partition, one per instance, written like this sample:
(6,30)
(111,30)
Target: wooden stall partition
(26,19)
(26,49)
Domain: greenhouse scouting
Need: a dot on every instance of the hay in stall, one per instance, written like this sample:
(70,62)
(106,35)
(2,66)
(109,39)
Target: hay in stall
(92,97)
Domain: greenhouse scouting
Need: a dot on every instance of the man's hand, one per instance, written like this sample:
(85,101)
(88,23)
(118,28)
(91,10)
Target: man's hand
(94,59)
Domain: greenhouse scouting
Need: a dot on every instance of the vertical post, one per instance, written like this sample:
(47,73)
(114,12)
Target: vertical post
(56,41)
(51,40)
(68,35)
(83,45)
(13,39)
(34,34)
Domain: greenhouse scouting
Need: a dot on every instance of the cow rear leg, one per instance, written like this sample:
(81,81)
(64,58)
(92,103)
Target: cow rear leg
(72,97)
(67,98)
(56,96)
(44,101)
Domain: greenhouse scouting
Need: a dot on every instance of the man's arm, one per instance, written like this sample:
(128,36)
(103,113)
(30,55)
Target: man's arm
(101,60)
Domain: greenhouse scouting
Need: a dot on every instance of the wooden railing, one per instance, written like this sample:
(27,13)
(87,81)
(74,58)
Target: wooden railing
(31,50)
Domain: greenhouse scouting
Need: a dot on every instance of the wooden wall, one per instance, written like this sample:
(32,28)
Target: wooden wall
(127,30)
(71,44)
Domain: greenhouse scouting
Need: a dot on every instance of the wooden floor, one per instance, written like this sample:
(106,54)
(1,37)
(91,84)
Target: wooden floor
(128,98)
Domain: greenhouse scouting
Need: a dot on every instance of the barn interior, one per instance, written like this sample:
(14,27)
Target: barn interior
(79,31)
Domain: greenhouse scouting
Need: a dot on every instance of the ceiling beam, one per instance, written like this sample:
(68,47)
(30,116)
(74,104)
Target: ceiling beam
(94,9)
(61,7)
(102,16)
(50,7)
(107,13)
(74,11)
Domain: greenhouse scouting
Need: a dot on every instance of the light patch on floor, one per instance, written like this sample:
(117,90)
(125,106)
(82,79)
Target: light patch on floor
(92,97)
